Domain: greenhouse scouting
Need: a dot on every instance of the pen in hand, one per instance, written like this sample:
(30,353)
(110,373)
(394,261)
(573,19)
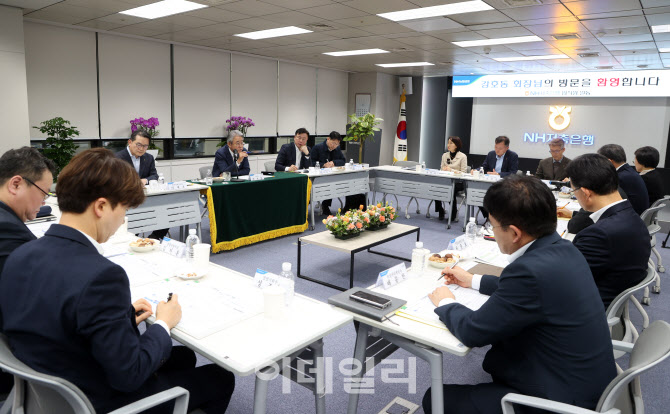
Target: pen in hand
(451,266)
(169,297)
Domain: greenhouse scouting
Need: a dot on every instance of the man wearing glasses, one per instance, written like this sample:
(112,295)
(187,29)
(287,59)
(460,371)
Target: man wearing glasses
(231,157)
(553,168)
(25,178)
(136,154)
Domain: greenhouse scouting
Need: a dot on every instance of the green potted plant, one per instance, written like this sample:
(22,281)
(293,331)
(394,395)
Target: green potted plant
(362,128)
(59,147)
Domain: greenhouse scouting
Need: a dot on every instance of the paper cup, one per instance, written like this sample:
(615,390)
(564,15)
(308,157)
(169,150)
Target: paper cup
(201,255)
(274,300)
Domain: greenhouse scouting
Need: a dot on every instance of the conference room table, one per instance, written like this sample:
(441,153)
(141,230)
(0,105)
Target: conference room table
(247,212)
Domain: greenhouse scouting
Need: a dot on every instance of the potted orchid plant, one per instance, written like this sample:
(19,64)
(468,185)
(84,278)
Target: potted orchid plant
(240,123)
(148,126)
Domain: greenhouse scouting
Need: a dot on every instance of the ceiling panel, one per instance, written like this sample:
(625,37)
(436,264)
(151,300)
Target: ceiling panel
(253,7)
(483,17)
(538,12)
(334,11)
(614,23)
(601,6)
(431,25)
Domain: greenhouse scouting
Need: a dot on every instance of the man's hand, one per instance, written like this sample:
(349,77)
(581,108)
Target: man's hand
(292,168)
(492,173)
(446,168)
(563,212)
(304,150)
(143,306)
(241,155)
(329,164)
(145,181)
(440,293)
(457,276)
(169,312)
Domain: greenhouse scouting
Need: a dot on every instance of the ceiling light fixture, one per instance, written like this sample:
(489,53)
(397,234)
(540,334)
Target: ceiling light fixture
(664,49)
(435,11)
(501,41)
(521,58)
(403,65)
(356,52)
(163,8)
(280,31)
(661,28)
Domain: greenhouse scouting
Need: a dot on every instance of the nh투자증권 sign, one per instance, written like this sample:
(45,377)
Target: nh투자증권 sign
(579,84)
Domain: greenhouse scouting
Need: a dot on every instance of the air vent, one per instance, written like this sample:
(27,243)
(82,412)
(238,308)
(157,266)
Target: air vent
(507,71)
(604,67)
(587,55)
(565,36)
(319,26)
(642,66)
(521,3)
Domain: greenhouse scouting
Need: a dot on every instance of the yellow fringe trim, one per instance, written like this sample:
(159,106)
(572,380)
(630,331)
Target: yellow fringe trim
(244,241)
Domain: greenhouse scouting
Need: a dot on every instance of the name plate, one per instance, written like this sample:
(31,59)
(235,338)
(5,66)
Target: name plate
(173,247)
(263,279)
(393,276)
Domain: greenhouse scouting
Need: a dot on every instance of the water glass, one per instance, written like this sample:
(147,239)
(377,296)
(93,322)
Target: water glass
(226,176)
(208,177)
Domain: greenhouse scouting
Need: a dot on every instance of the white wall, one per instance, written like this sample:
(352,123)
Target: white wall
(629,122)
(388,108)
(13,87)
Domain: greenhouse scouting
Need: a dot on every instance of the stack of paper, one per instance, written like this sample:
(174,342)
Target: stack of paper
(492,255)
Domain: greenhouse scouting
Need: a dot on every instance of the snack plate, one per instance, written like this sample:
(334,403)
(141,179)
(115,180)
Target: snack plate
(185,275)
(442,265)
(145,249)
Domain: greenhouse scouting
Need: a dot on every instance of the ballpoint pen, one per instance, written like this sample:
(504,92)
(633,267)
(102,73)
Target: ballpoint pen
(169,296)
(450,267)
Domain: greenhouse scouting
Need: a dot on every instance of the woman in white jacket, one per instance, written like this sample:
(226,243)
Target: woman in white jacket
(452,160)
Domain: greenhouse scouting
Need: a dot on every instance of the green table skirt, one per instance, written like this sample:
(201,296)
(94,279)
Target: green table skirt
(248,212)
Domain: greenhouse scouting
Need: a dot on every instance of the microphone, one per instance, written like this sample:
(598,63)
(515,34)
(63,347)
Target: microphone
(235,155)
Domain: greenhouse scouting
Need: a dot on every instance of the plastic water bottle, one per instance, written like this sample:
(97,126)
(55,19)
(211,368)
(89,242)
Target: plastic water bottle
(528,173)
(317,167)
(191,240)
(208,178)
(471,231)
(423,165)
(418,258)
(351,163)
(290,285)
(481,171)
(161,181)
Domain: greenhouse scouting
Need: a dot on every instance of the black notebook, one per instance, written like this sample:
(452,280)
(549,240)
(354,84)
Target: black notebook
(343,301)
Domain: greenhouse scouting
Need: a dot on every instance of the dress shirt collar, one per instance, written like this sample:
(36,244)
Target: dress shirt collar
(132,157)
(95,244)
(500,157)
(232,155)
(643,172)
(596,216)
(512,257)
(617,168)
(559,161)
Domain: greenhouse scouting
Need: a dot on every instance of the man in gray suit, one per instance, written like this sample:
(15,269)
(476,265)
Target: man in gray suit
(553,168)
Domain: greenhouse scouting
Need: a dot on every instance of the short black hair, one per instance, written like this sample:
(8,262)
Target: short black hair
(613,152)
(457,141)
(647,157)
(140,133)
(302,131)
(525,202)
(27,162)
(335,135)
(504,139)
(594,172)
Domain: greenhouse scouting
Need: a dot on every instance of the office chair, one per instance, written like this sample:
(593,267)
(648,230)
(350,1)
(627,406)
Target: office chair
(37,393)
(405,164)
(269,166)
(649,216)
(623,394)
(203,198)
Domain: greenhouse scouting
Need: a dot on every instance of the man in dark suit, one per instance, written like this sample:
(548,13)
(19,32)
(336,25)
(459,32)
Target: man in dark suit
(25,179)
(328,155)
(231,157)
(553,168)
(136,155)
(629,180)
(501,161)
(646,161)
(66,308)
(543,318)
(616,246)
(289,153)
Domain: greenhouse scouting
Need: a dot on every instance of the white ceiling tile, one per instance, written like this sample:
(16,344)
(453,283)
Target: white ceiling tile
(553,20)
(639,59)
(138,30)
(106,5)
(558,28)
(627,13)
(380,6)
(257,23)
(52,16)
(624,31)
(661,37)
(297,4)
(334,12)
(99,24)
(614,23)
(482,17)
(491,26)
(122,19)
(161,27)
(226,29)
(459,36)
(538,48)
(387,28)
(537,12)
(431,25)
(601,6)
(347,33)
(253,7)
(217,15)
(363,21)
(657,10)
(291,18)
(656,19)
(611,40)
(502,33)
(655,3)
(631,46)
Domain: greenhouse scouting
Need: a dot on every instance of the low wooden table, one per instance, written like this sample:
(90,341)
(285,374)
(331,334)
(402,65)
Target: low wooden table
(365,241)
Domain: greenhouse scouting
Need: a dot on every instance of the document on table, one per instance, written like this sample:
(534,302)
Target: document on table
(491,255)
(206,309)
(562,226)
(423,310)
(38,229)
(141,271)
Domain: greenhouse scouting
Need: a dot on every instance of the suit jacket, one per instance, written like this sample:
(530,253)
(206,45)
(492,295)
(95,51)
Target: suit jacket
(654,183)
(286,158)
(545,170)
(67,312)
(459,163)
(13,233)
(147,164)
(510,163)
(617,250)
(631,182)
(223,162)
(322,154)
(545,323)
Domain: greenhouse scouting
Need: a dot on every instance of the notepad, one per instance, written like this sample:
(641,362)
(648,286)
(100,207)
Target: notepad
(423,310)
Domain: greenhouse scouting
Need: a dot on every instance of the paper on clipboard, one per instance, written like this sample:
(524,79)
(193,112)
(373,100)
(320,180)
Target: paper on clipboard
(423,310)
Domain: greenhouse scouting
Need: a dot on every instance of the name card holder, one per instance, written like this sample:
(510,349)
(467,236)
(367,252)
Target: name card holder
(393,276)
(263,279)
(173,247)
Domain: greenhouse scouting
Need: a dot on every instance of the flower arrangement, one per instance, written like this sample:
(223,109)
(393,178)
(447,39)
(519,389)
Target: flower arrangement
(345,225)
(240,123)
(146,125)
(378,216)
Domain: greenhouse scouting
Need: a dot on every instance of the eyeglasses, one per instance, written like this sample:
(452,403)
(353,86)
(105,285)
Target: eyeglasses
(46,195)
(141,146)
(556,151)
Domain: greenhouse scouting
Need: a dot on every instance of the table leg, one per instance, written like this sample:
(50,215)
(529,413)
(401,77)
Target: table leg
(351,271)
(261,392)
(299,251)
(451,212)
(359,355)
(199,229)
(320,383)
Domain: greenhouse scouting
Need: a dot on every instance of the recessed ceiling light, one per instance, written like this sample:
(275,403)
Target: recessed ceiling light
(281,31)
(664,49)
(542,57)
(403,65)
(661,28)
(501,41)
(356,52)
(163,8)
(434,11)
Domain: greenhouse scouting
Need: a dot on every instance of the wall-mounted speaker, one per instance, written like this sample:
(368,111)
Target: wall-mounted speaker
(407,82)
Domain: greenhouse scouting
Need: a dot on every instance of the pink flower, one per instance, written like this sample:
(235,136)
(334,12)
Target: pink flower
(350,226)
(382,219)
(359,225)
